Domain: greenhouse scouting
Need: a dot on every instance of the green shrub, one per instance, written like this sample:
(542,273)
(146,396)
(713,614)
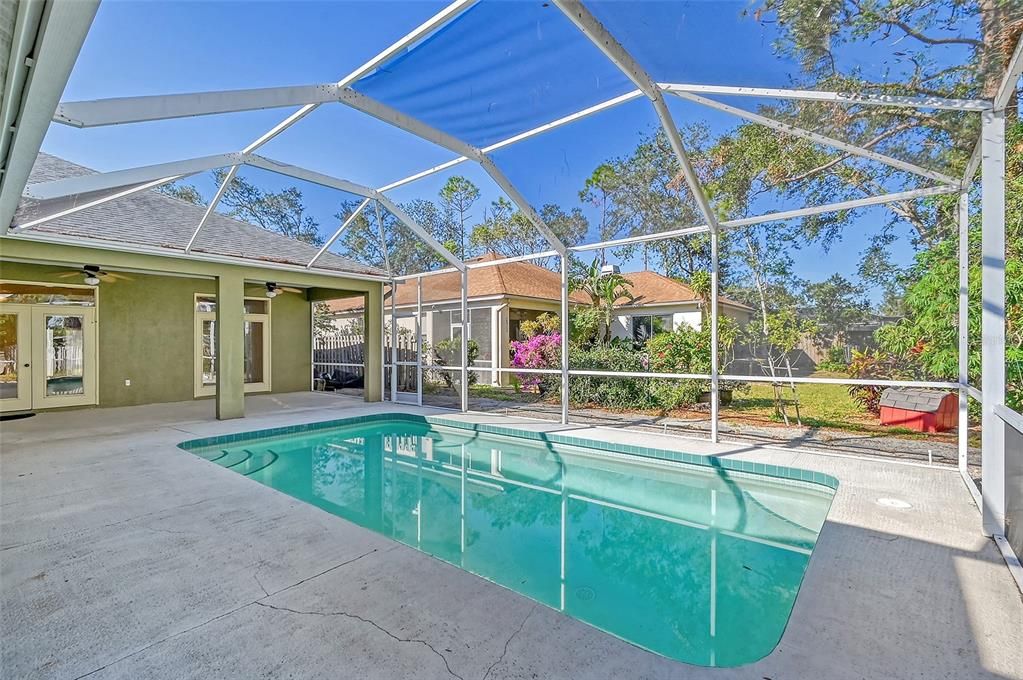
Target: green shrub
(685,350)
(835,360)
(547,323)
(618,393)
(876,365)
(447,353)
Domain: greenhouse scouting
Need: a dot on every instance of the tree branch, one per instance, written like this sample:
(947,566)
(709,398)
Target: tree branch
(842,157)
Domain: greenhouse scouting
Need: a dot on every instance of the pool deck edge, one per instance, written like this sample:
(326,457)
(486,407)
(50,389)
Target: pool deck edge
(123,556)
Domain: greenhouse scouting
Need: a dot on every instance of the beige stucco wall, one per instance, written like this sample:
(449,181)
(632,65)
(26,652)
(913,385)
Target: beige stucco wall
(146,334)
(146,325)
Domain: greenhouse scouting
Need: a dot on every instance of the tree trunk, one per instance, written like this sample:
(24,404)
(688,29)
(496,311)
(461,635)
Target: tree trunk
(1000,35)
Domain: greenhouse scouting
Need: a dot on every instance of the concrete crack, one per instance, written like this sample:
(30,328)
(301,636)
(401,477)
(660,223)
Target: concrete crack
(260,584)
(326,571)
(508,642)
(227,613)
(376,625)
(164,639)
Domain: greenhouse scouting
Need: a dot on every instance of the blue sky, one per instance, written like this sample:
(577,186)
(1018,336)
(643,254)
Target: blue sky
(523,56)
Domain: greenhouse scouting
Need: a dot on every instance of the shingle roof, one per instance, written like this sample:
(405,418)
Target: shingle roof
(515,279)
(651,288)
(910,399)
(154,219)
(527,280)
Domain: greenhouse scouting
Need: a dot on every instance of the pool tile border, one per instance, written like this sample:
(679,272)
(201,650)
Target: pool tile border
(767,470)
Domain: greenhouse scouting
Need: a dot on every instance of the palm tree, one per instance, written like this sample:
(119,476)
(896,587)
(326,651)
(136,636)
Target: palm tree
(604,290)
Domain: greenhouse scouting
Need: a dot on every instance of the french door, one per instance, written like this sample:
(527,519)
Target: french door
(47,356)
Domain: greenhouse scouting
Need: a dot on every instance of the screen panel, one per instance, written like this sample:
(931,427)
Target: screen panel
(529,66)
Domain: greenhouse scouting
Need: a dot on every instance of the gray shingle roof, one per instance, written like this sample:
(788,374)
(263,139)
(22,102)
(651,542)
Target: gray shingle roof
(911,399)
(151,218)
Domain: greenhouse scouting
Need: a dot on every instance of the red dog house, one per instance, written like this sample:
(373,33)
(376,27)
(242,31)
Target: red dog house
(921,410)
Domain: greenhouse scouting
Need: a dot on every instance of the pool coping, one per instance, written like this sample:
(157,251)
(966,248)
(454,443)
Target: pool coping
(719,462)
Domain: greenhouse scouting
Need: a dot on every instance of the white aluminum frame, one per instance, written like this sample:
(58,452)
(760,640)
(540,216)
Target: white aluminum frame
(987,157)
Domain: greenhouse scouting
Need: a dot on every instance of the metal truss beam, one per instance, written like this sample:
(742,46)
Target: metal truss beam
(836,97)
(84,184)
(433,23)
(42,44)
(121,110)
(340,230)
(603,40)
(1009,84)
(383,242)
(357,189)
(613,50)
(65,205)
(481,264)
(844,205)
(140,179)
(312,176)
(396,210)
(772,217)
(546,127)
(795,131)
(386,114)
(221,190)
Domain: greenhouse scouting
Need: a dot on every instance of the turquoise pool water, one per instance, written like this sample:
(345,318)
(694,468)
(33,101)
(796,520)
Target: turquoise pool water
(692,560)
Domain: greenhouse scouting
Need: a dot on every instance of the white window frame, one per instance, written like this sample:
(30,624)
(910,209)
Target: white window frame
(632,324)
(201,389)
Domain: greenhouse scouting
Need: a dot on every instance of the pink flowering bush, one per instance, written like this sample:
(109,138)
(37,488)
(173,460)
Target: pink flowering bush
(539,351)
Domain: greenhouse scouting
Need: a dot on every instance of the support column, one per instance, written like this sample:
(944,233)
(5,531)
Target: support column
(464,345)
(495,343)
(715,392)
(503,348)
(964,330)
(419,343)
(373,351)
(230,343)
(565,327)
(993,319)
(394,343)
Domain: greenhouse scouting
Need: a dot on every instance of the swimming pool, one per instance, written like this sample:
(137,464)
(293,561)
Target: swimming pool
(697,559)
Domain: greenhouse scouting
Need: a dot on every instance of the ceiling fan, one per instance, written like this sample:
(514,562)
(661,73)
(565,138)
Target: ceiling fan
(92,275)
(273,290)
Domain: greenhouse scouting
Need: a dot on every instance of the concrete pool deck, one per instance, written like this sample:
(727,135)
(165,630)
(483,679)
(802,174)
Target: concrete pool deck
(122,556)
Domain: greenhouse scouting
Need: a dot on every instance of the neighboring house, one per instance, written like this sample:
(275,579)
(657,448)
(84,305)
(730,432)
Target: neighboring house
(153,329)
(501,297)
(661,304)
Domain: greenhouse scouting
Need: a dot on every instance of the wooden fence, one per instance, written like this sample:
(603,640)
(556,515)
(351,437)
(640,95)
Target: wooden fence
(345,353)
(339,348)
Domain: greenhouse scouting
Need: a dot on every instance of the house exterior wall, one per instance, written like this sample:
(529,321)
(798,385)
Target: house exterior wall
(687,313)
(146,325)
(493,334)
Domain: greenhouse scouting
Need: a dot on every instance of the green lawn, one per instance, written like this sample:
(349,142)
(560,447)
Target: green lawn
(828,406)
(820,406)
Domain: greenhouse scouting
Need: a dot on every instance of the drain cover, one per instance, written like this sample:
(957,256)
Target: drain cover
(893,503)
(585,594)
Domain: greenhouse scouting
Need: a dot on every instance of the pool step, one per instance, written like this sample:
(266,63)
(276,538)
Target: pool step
(242,461)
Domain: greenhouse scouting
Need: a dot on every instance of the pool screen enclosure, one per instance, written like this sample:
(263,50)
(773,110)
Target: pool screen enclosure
(481,108)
